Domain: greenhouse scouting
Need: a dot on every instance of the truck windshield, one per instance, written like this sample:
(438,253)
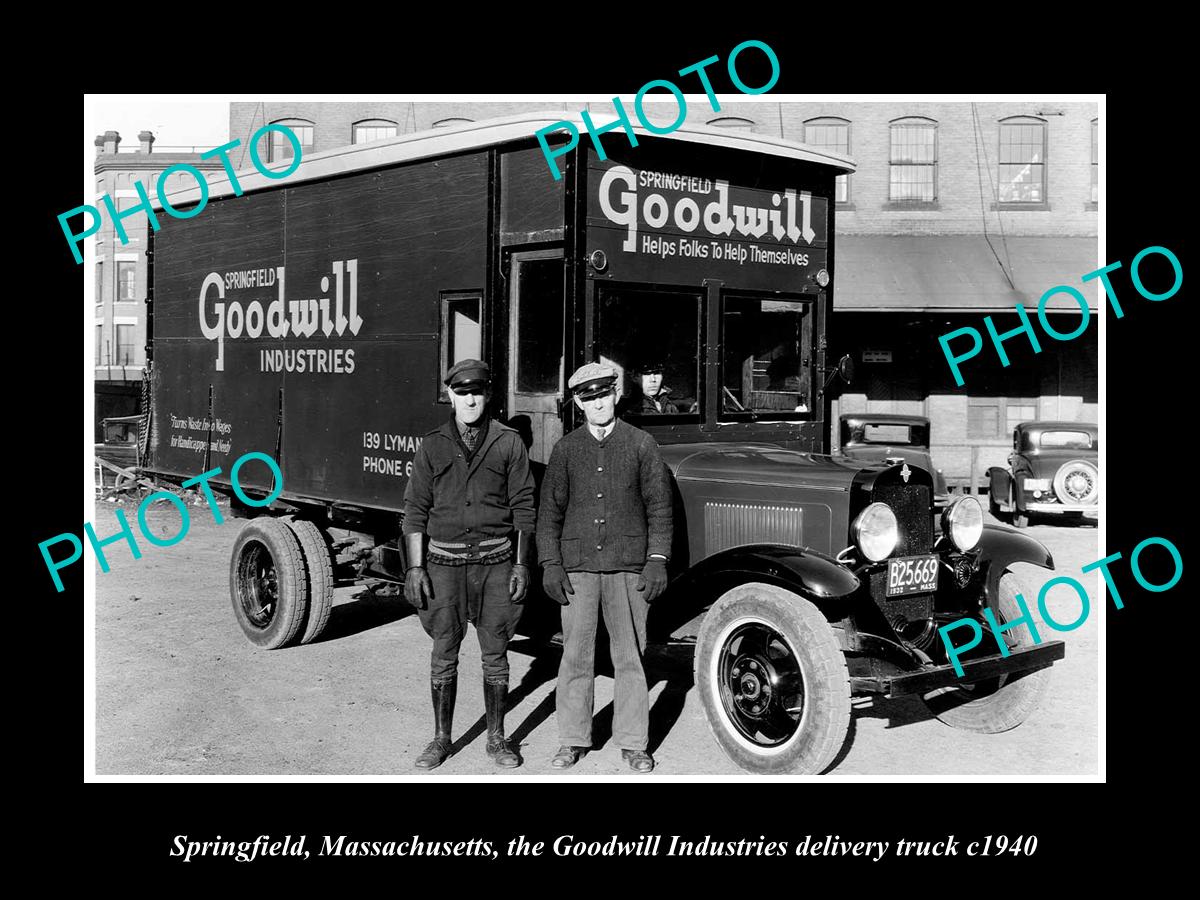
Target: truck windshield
(652,338)
(766,358)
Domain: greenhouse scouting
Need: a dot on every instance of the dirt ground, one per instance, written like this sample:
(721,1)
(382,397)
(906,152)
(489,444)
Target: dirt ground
(180,691)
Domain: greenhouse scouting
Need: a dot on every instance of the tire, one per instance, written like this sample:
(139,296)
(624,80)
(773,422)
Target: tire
(998,704)
(318,568)
(755,638)
(267,583)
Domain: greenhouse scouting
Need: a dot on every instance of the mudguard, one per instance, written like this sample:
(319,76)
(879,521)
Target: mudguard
(810,574)
(1001,546)
(998,482)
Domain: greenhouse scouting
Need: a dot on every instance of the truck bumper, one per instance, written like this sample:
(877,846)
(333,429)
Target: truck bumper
(923,680)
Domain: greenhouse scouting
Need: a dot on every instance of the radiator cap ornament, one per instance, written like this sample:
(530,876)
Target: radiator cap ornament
(906,473)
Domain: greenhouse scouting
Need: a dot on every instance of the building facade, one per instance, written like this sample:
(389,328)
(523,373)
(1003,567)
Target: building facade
(121,269)
(956,211)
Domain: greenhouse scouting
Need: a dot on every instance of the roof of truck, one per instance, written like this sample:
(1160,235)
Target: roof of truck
(488,133)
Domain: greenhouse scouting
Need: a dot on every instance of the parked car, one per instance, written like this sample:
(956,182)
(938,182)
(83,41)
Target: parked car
(119,446)
(885,437)
(1052,470)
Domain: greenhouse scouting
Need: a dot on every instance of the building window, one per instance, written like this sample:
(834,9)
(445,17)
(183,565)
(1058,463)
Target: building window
(374,130)
(1095,164)
(831,134)
(735,123)
(996,417)
(99,344)
(461,331)
(100,282)
(1022,161)
(124,203)
(125,347)
(451,121)
(913,171)
(279,147)
(126,281)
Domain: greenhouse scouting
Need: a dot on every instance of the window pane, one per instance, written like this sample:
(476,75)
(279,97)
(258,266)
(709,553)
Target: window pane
(913,174)
(983,418)
(125,348)
(642,329)
(126,281)
(766,366)
(281,146)
(99,281)
(461,331)
(99,344)
(539,325)
(364,134)
(1018,411)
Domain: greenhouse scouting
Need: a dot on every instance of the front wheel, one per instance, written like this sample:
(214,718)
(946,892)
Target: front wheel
(1001,703)
(267,583)
(773,682)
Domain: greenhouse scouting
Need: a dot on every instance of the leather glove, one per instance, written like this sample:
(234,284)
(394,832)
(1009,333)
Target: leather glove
(653,580)
(557,584)
(418,589)
(518,583)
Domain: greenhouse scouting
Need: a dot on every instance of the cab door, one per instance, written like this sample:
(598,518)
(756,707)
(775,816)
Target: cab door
(535,348)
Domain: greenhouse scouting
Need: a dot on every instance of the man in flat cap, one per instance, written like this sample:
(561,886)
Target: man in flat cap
(604,538)
(656,396)
(468,531)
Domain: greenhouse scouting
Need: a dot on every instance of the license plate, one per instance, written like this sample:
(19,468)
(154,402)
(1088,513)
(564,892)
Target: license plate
(912,575)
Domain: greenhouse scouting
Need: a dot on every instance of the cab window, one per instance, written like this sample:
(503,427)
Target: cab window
(652,339)
(766,359)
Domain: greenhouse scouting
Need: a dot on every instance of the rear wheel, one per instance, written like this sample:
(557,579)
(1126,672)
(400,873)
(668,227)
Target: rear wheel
(995,704)
(267,583)
(773,681)
(318,568)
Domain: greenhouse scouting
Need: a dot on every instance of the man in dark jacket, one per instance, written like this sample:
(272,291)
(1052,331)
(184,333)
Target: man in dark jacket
(604,539)
(656,397)
(469,514)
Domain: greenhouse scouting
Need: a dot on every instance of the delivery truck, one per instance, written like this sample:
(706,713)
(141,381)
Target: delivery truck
(312,318)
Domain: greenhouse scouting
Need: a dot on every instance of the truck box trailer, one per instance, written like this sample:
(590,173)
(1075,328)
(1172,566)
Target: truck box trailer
(313,318)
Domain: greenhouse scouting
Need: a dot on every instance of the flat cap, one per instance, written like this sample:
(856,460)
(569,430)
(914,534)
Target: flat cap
(592,380)
(468,373)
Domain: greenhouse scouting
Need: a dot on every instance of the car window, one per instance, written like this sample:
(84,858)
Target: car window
(1066,440)
(887,434)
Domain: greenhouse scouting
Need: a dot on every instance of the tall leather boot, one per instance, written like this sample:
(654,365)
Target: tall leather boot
(443,717)
(494,698)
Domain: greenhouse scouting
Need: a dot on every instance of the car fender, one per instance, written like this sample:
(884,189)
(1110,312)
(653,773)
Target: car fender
(810,574)
(998,481)
(1000,547)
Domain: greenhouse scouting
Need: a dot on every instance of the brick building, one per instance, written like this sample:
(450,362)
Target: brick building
(956,211)
(120,301)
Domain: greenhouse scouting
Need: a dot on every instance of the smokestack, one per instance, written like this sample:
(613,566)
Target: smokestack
(147,140)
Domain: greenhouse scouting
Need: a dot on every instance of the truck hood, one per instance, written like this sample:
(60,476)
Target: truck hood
(760,464)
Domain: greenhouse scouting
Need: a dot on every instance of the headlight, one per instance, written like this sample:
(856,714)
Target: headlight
(875,531)
(1037,484)
(963,522)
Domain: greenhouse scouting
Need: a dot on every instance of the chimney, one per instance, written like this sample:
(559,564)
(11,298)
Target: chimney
(111,140)
(147,139)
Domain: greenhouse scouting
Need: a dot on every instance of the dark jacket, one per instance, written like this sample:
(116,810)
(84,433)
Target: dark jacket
(665,405)
(451,499)
(605,505)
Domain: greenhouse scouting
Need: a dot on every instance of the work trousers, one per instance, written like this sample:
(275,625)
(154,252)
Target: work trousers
(470,593)
(615,595)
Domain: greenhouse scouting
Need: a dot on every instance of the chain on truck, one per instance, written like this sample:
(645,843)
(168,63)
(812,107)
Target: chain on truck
(315,319)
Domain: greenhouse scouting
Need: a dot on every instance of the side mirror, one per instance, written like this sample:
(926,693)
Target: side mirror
(845,368)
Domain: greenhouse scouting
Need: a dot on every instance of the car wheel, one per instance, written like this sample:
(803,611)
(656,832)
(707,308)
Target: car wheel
(318,568)
(995,704)
(267,583)
(773,681)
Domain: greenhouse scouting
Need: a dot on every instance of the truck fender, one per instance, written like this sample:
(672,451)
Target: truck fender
(1000,547)
(818,578)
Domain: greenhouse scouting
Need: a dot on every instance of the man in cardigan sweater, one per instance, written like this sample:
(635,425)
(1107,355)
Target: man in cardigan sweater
(604,538)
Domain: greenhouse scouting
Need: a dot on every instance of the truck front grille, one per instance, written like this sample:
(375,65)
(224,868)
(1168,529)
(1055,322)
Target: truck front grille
(912,505)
